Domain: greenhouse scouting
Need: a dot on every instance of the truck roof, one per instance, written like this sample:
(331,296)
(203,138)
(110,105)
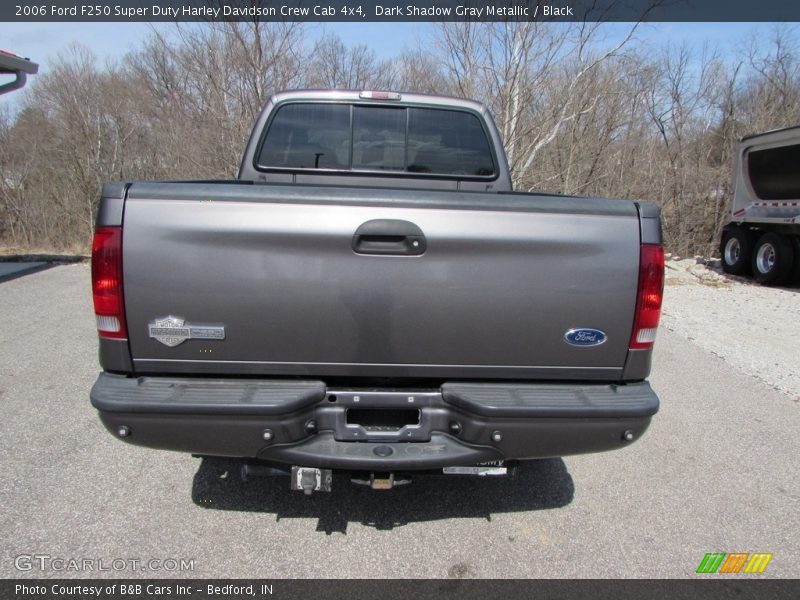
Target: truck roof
(795,128)
(374,95)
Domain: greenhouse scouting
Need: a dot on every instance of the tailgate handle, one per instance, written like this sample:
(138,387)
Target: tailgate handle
(389,236)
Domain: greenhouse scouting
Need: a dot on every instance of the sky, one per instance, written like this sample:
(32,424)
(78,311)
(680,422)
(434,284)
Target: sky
(44,42)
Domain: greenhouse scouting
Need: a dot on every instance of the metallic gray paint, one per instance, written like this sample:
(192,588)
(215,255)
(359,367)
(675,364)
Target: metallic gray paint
(493,290)
(648,210)
(306,369)
(112,203)
(651,231)
(637,367)
(114,355)
(338,195)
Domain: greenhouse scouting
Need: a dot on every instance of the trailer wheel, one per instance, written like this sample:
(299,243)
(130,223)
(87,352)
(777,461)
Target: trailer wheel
(772,259)
(736,249)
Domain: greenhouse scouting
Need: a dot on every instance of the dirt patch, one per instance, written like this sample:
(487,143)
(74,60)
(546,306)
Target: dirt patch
(754,328)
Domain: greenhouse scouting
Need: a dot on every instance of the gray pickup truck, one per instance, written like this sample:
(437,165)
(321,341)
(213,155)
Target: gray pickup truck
(370,296)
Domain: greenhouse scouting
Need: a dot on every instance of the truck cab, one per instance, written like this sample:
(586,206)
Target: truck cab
(381,139)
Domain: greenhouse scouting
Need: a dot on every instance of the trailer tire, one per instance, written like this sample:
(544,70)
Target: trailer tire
(772,259)
(736,249)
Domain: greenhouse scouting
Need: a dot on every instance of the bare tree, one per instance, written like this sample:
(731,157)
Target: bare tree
(420,71)
(220,73)
(580,113)
(334,65)
(532,74)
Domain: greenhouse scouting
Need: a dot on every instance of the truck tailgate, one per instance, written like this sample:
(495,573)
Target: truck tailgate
(272,274)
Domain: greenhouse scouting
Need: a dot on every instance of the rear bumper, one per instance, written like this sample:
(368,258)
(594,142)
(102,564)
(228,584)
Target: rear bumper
(305,423)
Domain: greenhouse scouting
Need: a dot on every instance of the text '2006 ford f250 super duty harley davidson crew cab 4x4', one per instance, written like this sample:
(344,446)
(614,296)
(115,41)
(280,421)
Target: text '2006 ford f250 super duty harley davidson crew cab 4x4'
(371,296)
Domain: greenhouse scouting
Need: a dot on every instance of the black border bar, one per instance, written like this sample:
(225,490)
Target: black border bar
(703,588)
(400,10)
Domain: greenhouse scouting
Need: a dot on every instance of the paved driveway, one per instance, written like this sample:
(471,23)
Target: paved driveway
(718,471)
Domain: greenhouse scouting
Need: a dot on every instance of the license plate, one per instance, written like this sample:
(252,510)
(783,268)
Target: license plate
(476,470)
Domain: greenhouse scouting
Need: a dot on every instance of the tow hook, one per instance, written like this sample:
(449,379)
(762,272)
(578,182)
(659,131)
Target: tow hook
(311,480)
(381,481)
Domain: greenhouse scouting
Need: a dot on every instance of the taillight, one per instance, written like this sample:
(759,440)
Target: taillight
(109,309)
(648,297)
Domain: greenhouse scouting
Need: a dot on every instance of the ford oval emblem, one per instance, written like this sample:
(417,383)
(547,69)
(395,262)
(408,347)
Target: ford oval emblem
(585,337)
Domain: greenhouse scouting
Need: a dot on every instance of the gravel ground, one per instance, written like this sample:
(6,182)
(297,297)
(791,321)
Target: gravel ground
(755,329)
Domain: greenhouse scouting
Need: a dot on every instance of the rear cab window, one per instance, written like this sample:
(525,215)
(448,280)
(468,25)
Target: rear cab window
(358,138)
